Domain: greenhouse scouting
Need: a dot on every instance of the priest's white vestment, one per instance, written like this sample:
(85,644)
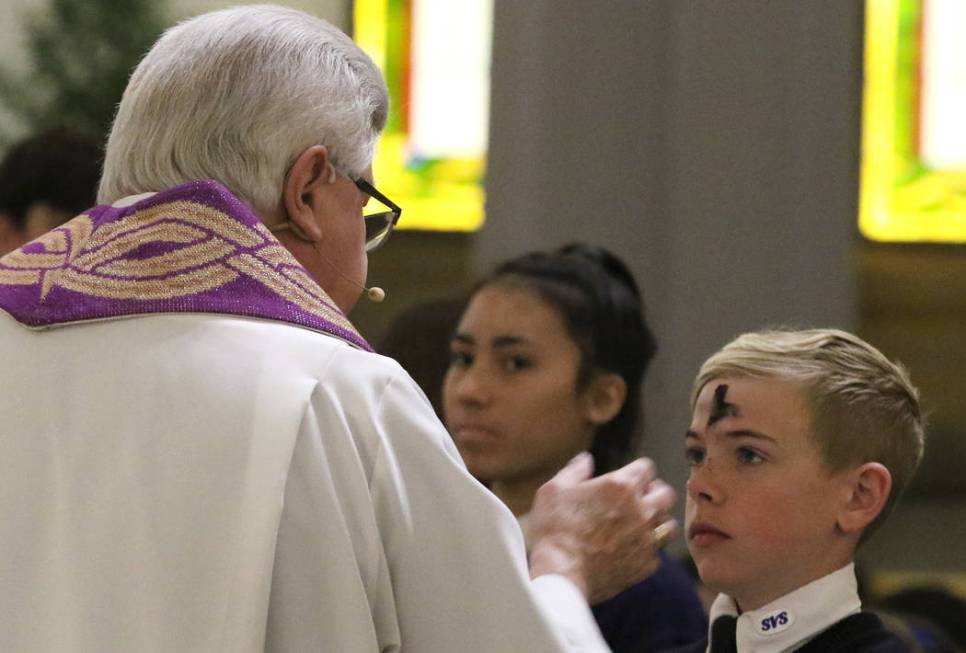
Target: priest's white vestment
(190,481)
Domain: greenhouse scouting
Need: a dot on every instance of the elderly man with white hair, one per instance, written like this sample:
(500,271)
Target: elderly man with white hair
(199,451)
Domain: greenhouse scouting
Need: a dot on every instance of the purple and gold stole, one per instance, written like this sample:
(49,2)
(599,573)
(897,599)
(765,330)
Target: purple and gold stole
(194,248)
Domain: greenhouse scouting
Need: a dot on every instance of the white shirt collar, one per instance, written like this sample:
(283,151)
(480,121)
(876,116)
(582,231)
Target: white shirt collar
(131,199)
(790,621)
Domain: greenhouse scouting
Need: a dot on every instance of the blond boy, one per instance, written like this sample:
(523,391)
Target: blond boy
(799,445)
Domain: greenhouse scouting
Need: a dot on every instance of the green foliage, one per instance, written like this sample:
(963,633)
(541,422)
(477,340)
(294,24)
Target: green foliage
(81,53)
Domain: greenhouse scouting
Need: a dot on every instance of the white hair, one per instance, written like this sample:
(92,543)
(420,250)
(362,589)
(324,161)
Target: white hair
(236,95)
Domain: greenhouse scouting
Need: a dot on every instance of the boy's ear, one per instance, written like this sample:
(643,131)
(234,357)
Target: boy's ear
(604,397)
(869,486)
(306,181)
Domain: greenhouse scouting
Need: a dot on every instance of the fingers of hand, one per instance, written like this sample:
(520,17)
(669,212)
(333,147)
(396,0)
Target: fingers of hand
(638,472)
(580,468)
(563,491)
(629,558)
(658,499)
(663,532)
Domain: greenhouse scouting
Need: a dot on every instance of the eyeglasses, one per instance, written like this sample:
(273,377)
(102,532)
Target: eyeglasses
(379,224)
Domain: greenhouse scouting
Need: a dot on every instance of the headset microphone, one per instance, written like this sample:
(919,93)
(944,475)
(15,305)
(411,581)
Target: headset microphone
(374,294)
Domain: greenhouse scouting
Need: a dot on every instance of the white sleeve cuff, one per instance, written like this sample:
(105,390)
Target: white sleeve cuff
(567,608)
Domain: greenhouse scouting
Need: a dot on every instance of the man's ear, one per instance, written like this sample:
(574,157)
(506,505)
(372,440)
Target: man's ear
(604,397)
(306,180)
(868,490)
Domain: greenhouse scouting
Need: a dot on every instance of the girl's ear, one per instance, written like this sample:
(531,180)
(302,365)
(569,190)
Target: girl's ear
(604,396)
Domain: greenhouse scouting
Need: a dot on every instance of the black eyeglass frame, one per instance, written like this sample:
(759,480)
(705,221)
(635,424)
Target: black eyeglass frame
(396,210)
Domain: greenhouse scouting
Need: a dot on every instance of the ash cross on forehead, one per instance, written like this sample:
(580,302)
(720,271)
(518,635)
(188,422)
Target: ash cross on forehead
(721,408)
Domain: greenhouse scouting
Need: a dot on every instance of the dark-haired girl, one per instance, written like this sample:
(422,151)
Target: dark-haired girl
(547,361)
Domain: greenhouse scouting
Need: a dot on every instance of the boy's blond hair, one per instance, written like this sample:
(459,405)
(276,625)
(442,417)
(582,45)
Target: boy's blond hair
(862,407)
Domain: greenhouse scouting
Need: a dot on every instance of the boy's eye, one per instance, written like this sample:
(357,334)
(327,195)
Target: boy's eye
(694,455)
(748,456)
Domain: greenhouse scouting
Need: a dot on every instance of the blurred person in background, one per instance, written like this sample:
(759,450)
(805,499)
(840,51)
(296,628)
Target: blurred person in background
(418,339)
(935,615)
(45,180)
(546,362)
